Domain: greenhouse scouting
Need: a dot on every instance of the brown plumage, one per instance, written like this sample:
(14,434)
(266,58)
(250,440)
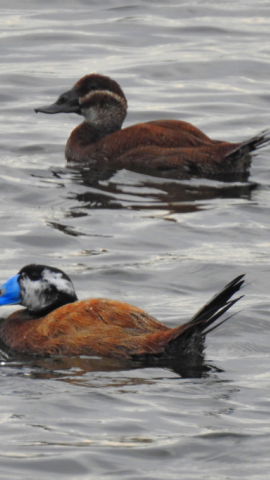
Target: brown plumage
(160,145)
(64,326)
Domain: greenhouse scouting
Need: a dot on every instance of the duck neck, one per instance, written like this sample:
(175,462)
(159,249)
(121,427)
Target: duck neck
(87,132)
(59,301)
(85,135)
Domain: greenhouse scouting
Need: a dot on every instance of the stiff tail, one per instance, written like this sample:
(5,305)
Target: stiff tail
(189,337)
(218,305)
(244,148)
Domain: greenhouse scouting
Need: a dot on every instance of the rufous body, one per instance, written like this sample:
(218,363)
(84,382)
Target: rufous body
(159,145)
(55,322)
(88,327)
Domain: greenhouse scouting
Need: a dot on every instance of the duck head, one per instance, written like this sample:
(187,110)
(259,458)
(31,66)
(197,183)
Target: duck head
(39,288)
(98,98)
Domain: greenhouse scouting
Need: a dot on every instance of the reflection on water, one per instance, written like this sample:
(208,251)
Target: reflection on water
(105,190)
(73,369)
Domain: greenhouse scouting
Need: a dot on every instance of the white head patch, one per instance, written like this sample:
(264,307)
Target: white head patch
(36,294)
(57,279)
(100,114)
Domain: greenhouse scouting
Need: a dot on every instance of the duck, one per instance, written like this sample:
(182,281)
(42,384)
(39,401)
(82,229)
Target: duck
(161,144)
(55,322)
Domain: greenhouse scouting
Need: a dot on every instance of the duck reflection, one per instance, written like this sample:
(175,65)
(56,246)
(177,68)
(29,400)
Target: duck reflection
(74,370)
(115,190)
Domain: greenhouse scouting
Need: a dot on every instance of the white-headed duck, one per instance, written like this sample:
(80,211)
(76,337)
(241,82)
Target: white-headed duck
(160,144)
(55,322)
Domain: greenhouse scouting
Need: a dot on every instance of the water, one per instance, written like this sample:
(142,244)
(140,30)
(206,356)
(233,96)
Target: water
(164,245)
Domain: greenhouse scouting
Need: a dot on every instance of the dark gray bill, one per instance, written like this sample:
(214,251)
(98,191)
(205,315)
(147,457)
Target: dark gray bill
(68,102)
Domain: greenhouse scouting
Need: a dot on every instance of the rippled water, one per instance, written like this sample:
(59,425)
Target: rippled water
(164,245)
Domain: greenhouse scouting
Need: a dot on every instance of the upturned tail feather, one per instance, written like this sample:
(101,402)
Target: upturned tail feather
(254,143)
(189,338)
(216,307)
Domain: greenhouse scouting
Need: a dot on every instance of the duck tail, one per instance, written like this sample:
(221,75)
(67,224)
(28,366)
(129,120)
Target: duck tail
(243,149)
(218,305)
(189,337)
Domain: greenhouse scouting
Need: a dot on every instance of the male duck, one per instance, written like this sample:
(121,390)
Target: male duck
(160,145)
(55,322)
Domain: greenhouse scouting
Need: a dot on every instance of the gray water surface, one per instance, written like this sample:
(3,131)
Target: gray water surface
(163,244)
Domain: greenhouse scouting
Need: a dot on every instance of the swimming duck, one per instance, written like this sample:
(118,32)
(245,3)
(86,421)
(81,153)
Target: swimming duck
(160,145)
(55,322)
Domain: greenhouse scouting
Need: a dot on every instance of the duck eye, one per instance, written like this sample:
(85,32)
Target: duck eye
(62,99)
(93,86)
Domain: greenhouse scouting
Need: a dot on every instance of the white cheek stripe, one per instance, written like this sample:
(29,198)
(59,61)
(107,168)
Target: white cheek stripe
(58,281)
(33,292)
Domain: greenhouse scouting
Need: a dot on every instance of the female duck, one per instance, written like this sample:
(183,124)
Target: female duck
(56,322)
(161,144)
